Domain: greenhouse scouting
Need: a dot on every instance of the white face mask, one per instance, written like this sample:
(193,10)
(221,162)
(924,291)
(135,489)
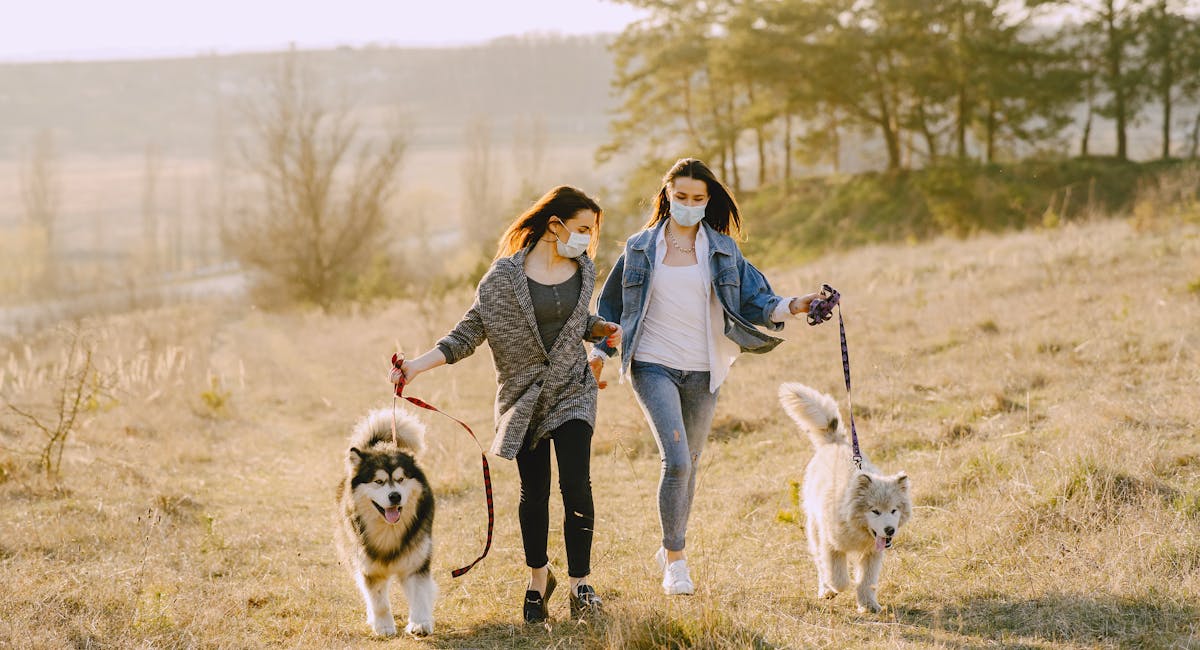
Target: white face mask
(687,215)
(575,245)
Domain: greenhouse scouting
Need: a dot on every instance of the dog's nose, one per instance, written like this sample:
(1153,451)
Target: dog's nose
(889,531)
(394,497)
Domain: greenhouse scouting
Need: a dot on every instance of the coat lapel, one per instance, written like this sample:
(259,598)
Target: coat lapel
(578,317)
(520,286)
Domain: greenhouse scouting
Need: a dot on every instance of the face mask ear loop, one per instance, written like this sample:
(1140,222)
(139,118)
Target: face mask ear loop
(556,236)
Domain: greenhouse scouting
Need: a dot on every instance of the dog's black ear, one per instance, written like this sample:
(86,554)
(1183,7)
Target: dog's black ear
(354,456)
(902,481)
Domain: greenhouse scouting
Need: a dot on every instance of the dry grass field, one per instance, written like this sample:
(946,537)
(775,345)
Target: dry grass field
(1040,388)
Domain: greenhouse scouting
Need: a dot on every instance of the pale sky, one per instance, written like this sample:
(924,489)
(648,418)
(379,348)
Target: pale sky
(42,30)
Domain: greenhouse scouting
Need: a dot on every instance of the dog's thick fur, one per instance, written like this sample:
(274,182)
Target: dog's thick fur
(385,520)
(848,511)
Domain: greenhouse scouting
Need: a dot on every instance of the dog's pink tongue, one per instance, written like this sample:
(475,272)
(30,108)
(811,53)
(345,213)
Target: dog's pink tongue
(392,515)
(879,544)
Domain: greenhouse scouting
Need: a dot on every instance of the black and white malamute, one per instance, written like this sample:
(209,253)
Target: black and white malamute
(385,520)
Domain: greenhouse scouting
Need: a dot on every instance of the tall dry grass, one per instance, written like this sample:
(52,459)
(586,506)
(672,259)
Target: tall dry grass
(1039,388)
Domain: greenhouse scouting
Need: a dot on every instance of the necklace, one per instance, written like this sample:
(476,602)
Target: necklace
(676,244)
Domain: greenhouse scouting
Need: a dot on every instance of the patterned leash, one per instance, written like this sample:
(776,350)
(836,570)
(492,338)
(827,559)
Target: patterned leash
(397,360)
(819,311)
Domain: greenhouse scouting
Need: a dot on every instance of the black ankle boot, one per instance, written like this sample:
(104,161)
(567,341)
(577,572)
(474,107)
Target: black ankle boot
(535,610)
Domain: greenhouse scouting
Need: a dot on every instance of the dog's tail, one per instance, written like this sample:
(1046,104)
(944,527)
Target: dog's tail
(375,430)
(814,411)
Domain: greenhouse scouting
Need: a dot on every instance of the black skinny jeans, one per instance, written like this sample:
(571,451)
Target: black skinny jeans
(573,447)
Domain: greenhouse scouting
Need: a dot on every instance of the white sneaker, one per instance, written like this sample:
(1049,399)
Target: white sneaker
(676,579)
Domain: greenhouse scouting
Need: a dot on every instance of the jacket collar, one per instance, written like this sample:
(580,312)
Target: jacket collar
(717,243)
(516,262)
(643,240)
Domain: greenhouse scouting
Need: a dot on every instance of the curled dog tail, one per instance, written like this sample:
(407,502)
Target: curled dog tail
(375,431)
(814,411)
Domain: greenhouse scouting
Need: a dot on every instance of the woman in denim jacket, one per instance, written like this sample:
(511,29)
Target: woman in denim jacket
(688,303)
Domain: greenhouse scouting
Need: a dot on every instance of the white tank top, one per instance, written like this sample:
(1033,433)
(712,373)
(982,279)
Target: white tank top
(675,325)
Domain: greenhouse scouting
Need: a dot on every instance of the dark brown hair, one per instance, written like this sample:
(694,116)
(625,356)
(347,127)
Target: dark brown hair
(562,202)
(722,210)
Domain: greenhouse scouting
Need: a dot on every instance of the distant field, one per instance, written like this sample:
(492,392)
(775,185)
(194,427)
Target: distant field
(1038,387)
(101,229)
(106,194)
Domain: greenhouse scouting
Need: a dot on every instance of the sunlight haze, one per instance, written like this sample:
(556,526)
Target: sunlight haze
(65,29)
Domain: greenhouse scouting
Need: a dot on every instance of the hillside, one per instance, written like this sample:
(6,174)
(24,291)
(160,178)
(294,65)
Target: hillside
(113,108)
(1038,387)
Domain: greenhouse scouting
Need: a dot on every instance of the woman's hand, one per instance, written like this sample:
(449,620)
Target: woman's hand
(800,305)
(407,371)
(410,369)
(597,364)
(614,339)
(611,331)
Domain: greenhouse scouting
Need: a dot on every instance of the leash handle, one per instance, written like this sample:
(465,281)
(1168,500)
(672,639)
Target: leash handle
(821,308)
(397,363)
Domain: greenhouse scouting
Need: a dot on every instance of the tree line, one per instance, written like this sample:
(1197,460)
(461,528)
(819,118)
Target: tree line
(934,81)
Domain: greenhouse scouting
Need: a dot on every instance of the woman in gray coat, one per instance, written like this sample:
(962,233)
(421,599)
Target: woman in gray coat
(532,308)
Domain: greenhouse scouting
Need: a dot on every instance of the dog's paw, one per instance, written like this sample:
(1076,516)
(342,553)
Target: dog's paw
(419,628)
(384,627)
(871,607)
(826,592)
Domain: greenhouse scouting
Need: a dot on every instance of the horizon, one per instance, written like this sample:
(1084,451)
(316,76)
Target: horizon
(133,30)
(169,55)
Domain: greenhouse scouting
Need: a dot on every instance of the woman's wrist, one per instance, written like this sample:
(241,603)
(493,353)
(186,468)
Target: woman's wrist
(429,360)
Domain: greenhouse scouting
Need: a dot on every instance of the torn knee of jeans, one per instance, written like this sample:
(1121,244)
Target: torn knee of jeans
(677,435)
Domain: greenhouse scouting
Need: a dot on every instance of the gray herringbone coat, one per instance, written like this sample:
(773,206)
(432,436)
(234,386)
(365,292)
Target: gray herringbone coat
(538,389)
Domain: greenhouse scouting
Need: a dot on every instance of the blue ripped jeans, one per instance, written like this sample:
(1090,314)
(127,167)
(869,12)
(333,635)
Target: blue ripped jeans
(680,409)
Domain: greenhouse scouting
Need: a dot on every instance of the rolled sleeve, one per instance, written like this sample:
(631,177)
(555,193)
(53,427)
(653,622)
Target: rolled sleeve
(592,321)
(783,311)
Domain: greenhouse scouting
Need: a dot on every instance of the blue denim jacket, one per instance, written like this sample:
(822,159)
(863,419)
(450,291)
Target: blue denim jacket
(744,293)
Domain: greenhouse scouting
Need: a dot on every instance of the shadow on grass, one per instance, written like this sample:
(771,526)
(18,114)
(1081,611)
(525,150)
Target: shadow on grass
(618,630)
(728,427)
(1059,618)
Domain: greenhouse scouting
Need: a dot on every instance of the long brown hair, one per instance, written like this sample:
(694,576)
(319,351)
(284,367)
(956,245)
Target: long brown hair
(722,210)
(563,202)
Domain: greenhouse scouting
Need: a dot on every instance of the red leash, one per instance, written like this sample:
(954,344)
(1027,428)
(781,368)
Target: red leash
(487,472)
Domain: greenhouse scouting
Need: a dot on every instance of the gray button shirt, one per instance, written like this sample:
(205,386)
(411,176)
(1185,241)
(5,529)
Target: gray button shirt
(553,304)
(539,388)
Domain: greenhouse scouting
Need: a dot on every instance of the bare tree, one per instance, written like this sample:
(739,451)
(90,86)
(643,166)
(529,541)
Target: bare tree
(151,170)
(420,218)
(529,154)
(41,195)
(479,183)
(222,159)
(175,226)
(317,218)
